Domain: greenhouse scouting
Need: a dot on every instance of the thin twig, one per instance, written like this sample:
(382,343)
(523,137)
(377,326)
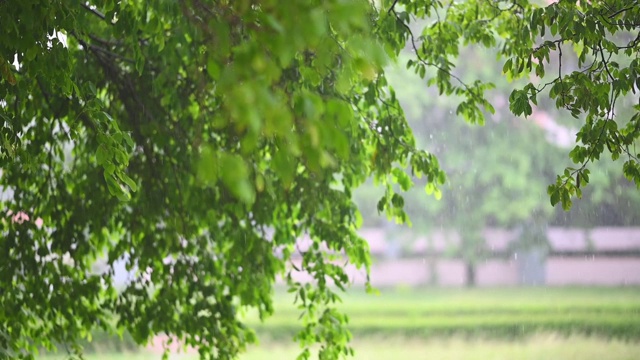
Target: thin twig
(623,10)
(392,6)
(604,62)
(564,101)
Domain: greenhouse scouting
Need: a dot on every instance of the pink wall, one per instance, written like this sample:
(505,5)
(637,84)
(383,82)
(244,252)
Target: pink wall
(601,271)
(588,270)
(559,271)
(593,271)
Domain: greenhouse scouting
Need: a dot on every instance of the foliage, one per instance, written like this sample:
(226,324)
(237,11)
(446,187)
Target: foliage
(609,200)
(198,140)
(603,39)
(496,173)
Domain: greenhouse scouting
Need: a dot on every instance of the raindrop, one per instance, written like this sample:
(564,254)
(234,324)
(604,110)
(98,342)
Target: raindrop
(515,256)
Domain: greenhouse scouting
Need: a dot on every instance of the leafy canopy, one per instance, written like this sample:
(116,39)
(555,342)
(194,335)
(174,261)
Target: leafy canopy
(594,47)
(198,140)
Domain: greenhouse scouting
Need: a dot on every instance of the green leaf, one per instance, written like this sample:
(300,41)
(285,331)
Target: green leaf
(234,173)
(507,66)
(208,166)
(127,180)
(402,179)
(103,155)
(106,115)
(555,197)
(213,69)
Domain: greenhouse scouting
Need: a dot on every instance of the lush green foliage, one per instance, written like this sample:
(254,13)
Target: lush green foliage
(198,140)
(596,46)
(497,173)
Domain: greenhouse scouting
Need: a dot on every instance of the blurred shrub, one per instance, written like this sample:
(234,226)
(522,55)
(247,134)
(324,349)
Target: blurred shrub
(104,342)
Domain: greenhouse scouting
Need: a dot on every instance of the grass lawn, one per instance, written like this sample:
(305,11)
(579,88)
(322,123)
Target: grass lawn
(500,323)
(541,346)
(497,312)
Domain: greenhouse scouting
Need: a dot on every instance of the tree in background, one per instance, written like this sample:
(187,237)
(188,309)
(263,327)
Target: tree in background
(179,135)
(496,173)
(507,167)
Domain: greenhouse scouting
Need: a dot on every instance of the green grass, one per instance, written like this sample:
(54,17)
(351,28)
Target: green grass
(500,323)
(541,346)
(500,312)
(494,299)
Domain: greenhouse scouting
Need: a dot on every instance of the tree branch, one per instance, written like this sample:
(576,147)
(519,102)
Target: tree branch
(391,9)
(94,11)
(623,10)
(604,62)
(96,48)
(422,60)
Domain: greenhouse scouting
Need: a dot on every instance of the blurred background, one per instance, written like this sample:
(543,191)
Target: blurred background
(494,224)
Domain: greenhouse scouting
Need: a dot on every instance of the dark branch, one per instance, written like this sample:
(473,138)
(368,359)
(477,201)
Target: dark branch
(623,10)
(94,11)
(392,6)
(96,48)
(605,63)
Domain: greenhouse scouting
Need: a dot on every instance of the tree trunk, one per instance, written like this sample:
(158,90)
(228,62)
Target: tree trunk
(471,274)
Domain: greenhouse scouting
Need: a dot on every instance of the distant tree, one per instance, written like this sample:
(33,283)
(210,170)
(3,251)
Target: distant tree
(198,140)
(496,173)
(507,196)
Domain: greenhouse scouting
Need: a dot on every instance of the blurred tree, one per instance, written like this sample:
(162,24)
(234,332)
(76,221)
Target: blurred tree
(497,173)
(597,70)
(198,140)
